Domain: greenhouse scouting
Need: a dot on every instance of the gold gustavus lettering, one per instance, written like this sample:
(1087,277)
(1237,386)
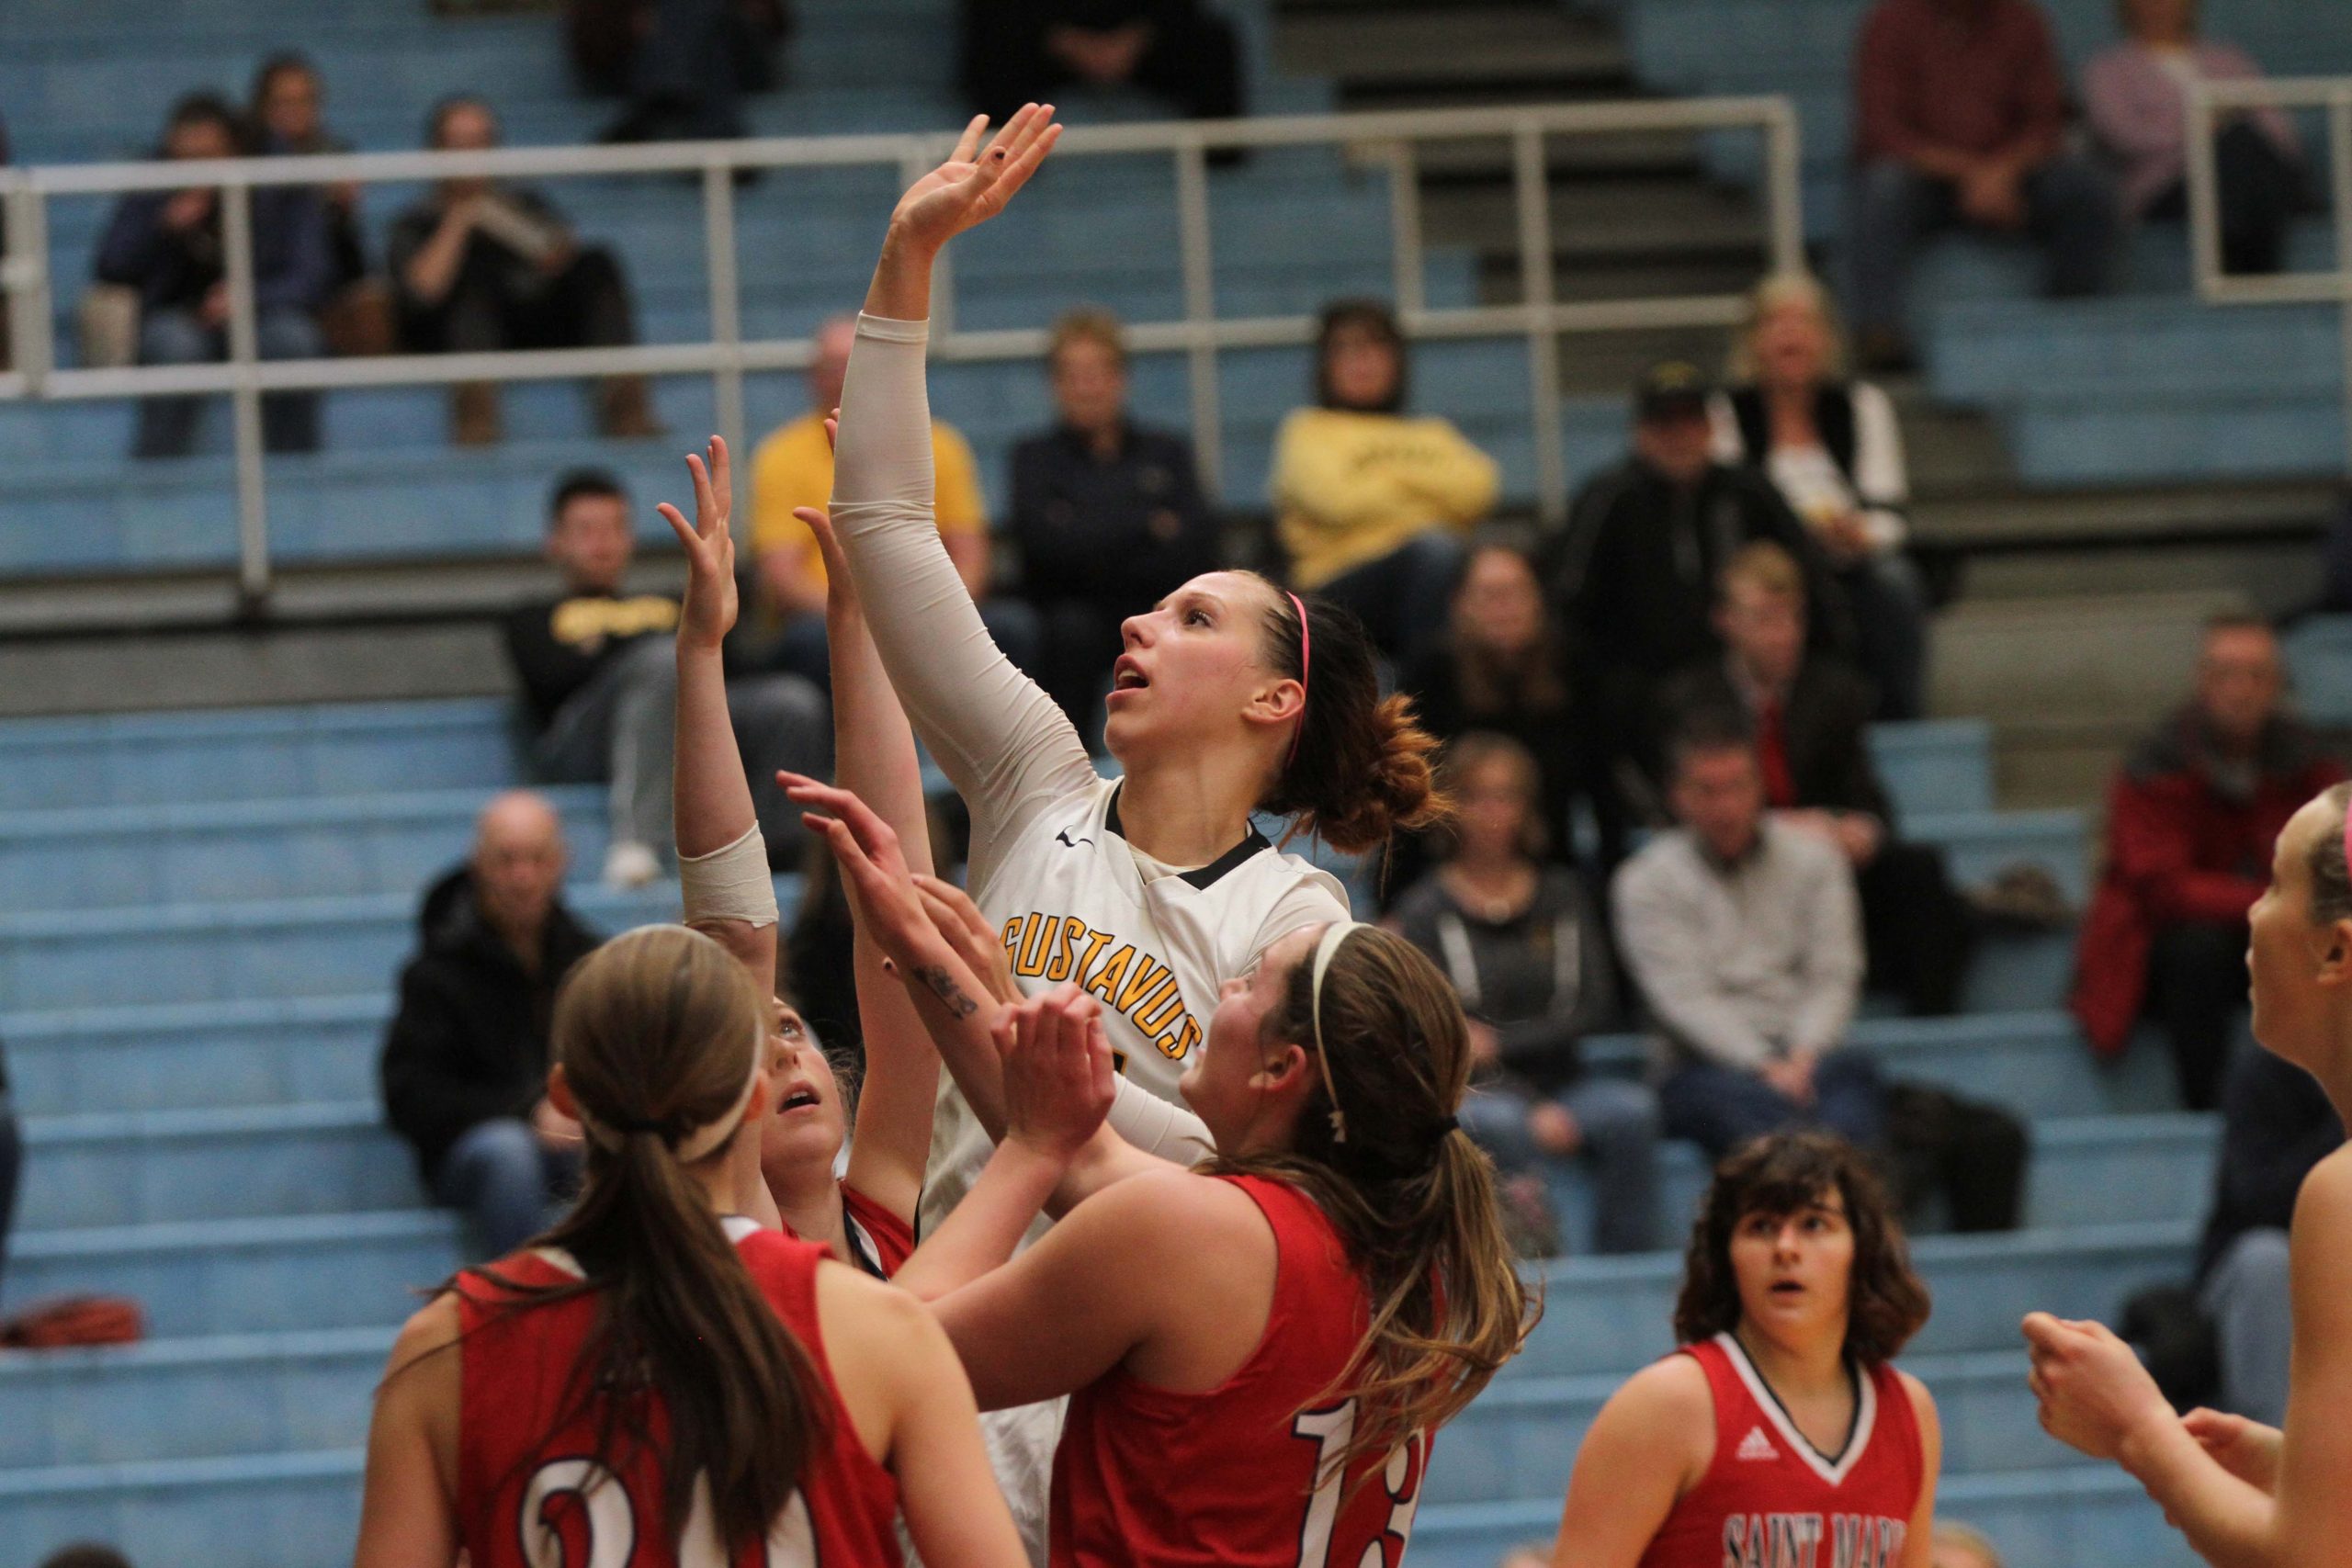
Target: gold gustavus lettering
(1141,989)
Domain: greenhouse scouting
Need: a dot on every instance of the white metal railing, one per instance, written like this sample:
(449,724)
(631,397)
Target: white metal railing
(2207,102)
(1200,335)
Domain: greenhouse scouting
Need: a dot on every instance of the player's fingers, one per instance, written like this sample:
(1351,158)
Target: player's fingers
(1016,174)
(969,143)
(680,526)
(722,468)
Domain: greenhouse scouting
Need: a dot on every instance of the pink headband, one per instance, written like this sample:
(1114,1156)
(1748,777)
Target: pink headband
(1307,671)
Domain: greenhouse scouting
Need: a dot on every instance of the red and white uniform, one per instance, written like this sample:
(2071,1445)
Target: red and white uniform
(880,1242)
(1145,1477)
(1770,1500)
(520,1475)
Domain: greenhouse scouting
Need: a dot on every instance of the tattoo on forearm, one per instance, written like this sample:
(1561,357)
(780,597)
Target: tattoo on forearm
(942,985)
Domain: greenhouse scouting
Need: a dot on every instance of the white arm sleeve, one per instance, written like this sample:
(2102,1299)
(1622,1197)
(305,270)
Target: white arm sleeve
(1157,1126)
(1001,741)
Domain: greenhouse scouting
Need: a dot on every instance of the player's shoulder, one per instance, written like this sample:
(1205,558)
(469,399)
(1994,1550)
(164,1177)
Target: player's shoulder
(2324,1203)
(1665,1414)
(1673,1387)
(870,1307)
(1922,1401)
(1175,1212)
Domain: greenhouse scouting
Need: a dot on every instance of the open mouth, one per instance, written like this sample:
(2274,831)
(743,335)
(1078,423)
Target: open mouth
(798,1099)
(1785,1288)
(1127,677)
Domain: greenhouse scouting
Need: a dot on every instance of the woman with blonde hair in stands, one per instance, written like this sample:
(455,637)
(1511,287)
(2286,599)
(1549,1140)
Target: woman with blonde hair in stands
(1152,889)
(657,1379)
(2248,1495)
(1833,448)
(1258,1351)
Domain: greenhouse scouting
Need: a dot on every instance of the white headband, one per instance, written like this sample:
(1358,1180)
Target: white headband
(1334,934)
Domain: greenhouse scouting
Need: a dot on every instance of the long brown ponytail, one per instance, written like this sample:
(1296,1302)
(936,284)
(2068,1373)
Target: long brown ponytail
(1412,1198)
(1361,767)
(655,1030)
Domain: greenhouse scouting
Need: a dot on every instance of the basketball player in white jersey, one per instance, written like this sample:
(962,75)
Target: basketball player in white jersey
(1231,699)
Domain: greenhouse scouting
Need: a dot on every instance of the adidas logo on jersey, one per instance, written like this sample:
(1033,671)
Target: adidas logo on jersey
(1757,1446)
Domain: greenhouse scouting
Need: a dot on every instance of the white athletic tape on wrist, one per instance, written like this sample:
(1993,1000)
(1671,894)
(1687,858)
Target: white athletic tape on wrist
(731,884)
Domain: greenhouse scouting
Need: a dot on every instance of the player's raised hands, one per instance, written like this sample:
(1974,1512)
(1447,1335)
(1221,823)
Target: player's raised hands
(2096,1395)
(710,607)
(872,868)
(975,182)
(2247,1449)
(959,920)
(1058,1082)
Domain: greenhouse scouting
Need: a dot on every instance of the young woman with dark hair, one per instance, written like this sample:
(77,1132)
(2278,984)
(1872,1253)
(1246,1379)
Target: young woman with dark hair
(1258,1350)
(657,1380)
(1782,1415)
(2248,1495)
(1370,503)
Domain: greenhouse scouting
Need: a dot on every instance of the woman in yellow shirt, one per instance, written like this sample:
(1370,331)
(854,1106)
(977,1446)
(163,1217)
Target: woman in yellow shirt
(1372,504)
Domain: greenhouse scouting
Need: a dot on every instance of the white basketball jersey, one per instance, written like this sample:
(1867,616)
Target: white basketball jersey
(1073,905)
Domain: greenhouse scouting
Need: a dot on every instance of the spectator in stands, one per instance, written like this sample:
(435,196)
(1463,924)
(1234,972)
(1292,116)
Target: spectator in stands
(683,64)
(599,679)
(86,1554)
(12,1159)
(1833,448)
(2136,97)
(287,97)
(1019,52)
(1810,714)
(465,1066)
(2277,1124)
(1531,959)
(794,468)
(1634,575)
(1743,936)
(1501,667)
(480,265)
(1108,515)
(1371,504)
(167,245)
(1961,118)
(2191,818)
(1961,1546)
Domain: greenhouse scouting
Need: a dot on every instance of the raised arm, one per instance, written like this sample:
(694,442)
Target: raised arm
(873,753)
(1003,742)
(723,860)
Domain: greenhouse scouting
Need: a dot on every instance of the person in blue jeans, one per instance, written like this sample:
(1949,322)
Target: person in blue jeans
(1745,937)
(1520,943)
(465,1066)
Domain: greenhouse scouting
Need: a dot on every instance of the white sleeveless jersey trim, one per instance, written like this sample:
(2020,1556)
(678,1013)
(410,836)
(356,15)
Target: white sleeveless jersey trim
(1070,905)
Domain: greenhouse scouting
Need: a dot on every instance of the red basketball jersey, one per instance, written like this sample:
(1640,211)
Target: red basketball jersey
(884,1237)
(1146,1477)
(1770,1500)
(521,1501)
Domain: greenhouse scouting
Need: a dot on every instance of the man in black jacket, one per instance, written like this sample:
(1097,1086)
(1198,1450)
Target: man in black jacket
(1634,576)
(2276,1124)
(1109,516)
(599,673)
(465,1066)
(1811,713)
(1018,51)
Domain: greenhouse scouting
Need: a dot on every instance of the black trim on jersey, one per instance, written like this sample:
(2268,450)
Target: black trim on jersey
(1853,1422)
(861,1257)
(1201,878)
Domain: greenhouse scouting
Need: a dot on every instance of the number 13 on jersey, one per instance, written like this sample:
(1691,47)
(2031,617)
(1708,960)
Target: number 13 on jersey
(1331,1430)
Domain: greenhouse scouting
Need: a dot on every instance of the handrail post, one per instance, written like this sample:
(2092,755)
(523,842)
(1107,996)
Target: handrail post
(726,327)
(244,352)
(1530,189)
(1200,310)
(2204,190)
(2339,126)
(31,345)
(1405,228)
(1784,151)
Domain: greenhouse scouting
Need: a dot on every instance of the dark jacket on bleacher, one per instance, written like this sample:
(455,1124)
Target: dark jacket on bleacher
(1120,531)
(174,270)
(2185,842)
(2277,1123)
(1824,719)
(469,1043)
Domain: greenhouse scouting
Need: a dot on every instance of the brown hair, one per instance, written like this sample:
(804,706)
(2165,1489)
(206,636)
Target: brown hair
(1765,566)
(1490,681)
(1361,768)
(1369,316)
(1412,1198)
(1778,1174)
(1087,323)
(1476,749)
(653,1029)
(2331,875)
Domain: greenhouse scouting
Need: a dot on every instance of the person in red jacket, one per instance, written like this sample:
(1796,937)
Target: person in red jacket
(2190,821)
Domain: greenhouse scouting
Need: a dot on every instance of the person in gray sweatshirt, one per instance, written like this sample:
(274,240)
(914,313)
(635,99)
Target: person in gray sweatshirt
(1745,939)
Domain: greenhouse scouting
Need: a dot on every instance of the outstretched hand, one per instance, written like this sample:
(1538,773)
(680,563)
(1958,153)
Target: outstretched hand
(959,920)
(2247,1449)
(1059,1083)
(710,607)
(974,185)
(874,870)
(2095,1395)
